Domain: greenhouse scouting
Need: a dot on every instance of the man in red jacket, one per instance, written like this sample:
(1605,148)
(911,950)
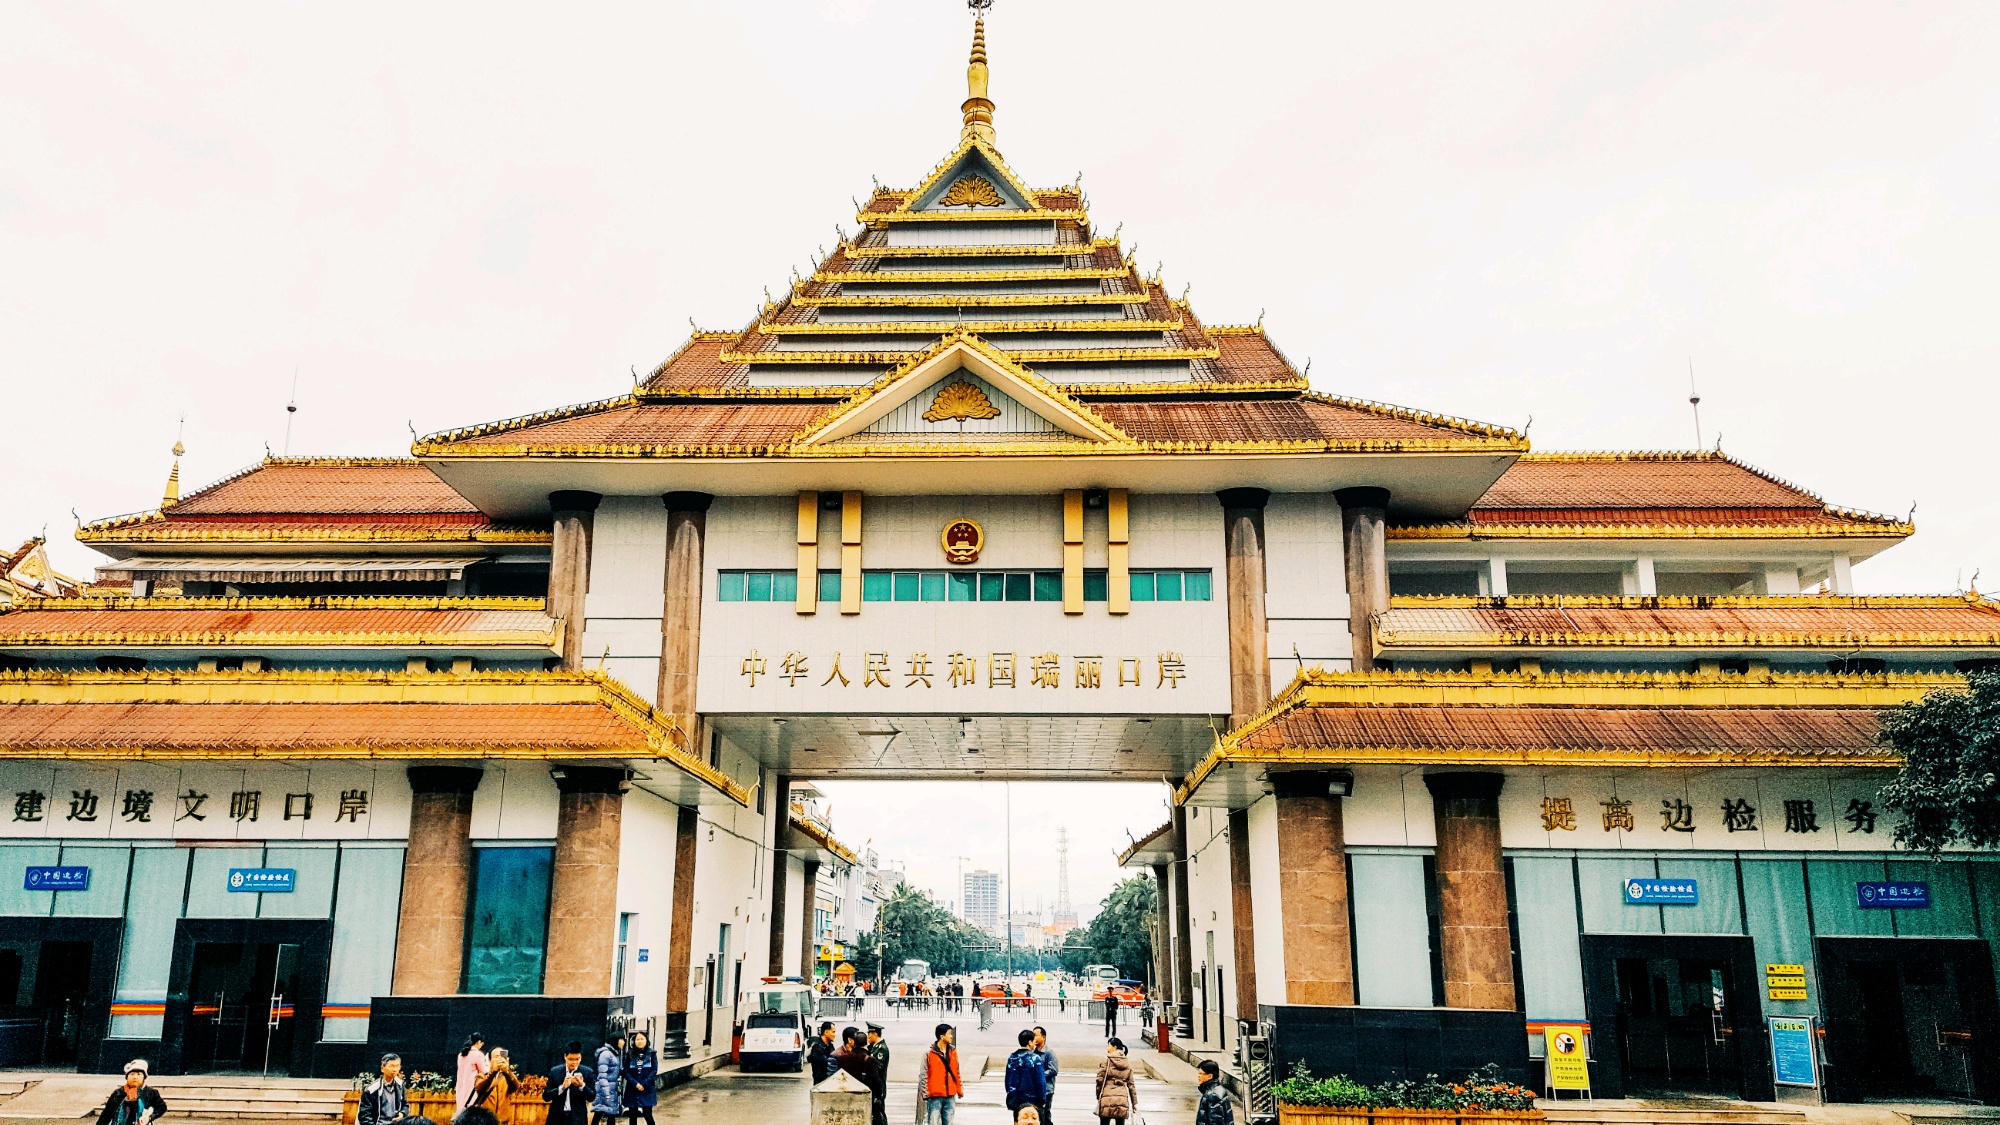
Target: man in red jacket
(941,1085)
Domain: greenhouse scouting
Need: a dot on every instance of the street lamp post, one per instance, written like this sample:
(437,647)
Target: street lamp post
(1007,923)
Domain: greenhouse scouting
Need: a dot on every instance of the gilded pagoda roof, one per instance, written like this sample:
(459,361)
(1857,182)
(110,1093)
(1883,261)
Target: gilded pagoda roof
(1816,621)
(363,622)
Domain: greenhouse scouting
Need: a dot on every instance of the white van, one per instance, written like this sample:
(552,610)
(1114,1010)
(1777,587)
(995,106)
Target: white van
(776,1030)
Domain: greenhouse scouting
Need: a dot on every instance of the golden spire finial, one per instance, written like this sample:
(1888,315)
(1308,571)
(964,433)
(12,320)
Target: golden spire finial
(978,108)
(172,495)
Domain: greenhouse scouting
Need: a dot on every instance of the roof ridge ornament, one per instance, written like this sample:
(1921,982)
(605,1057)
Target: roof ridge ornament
(977,107)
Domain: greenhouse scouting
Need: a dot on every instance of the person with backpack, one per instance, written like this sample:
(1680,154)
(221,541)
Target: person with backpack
(1027,1077)
(940,1086)
(1117,1098)
(1214,1107)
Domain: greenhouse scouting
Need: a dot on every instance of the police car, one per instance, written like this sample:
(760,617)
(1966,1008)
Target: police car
(775,1032)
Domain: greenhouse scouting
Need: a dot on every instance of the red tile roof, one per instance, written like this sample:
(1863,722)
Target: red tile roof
(314,486)
(1815,621)
(366,729)
(698,365)
(1584,482)
(1249,357)
(1305,418)
(1696,733)
(667,424)
(282,621)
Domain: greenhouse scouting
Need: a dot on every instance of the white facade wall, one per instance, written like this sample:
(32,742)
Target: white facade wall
(1266,907)
(1210,927)
(622,611)
(646,891)
(1305,579)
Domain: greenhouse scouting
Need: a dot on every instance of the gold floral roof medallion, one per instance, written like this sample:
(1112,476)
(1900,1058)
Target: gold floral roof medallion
(960,399)
(973,191)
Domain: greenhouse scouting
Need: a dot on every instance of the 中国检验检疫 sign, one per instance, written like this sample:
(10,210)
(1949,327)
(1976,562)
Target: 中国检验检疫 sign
(262,880)
(1893,896)
(56,879)
(1662,892)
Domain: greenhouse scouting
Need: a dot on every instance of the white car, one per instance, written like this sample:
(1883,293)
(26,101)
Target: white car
(775,1032)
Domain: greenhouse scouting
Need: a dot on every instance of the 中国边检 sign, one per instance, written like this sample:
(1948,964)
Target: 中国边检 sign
(262,880)
(56,879)
(1662,892)
(1893,896)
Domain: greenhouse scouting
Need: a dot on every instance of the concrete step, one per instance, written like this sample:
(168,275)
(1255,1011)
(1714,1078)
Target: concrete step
(1573,1113)
(13,1089)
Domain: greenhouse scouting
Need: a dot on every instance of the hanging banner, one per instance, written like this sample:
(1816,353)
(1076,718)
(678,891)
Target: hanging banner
(1793,1060)
(1568,1068)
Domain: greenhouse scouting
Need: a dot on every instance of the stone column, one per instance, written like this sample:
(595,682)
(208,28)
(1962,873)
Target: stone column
(583,883)
(1163,943)
(1249,645)
(1241,920)
(808,902)
(1183,929)
(569,567)
(680,623)
(437,881)
(1363,512)
(1478,952)
(1312,890)
(781,812)
(680,938)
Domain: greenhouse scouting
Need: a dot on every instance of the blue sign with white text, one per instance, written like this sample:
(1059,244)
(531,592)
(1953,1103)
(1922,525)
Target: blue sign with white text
(1792,1052)
(57,879)
(1662,892)
(262,880)
(1893,896)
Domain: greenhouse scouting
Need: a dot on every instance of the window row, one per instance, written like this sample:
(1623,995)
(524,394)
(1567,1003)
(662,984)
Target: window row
(963,585)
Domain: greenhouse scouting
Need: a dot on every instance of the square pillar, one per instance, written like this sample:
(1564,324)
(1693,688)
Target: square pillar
(1243,588)
(1312,890)
(569,566)
(1477,950)
(680,938)
(680,619)
(583,882)
(808,902)
(781,813)
(1364,512)
(1183,942)
(1241,914)
(430,926)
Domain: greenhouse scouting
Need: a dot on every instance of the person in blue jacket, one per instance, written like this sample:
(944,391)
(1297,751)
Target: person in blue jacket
(1027,1077)
(642,1070)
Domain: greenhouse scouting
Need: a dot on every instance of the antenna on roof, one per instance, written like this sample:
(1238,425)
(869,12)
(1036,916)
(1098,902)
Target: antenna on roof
(291,411)
(1694,400)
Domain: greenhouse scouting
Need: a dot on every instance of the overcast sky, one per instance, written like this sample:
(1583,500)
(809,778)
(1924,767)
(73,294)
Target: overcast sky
(441,214)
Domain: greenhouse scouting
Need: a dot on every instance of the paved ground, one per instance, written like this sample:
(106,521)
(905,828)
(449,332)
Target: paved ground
(1166,1087)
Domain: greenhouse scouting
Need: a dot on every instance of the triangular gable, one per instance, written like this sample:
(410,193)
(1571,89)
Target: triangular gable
(962,403)
(937,366)
(974,180)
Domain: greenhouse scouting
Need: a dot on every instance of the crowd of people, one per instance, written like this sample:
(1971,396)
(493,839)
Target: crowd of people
(619,1081)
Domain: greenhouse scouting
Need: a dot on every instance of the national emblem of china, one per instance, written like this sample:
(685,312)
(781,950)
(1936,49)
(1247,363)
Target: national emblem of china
(962,541)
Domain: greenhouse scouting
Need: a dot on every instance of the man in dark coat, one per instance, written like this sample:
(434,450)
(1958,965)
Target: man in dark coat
(570,1088)
(384,1102)
(820,1053)
(853,1058)
(878,1053)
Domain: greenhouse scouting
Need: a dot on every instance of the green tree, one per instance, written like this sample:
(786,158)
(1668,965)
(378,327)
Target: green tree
(1120,935)
(1948,790)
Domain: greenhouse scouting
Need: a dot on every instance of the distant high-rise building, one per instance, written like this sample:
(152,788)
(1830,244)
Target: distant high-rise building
(982,900)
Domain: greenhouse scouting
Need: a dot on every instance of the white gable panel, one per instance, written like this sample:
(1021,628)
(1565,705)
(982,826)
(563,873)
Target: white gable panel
(1014,418)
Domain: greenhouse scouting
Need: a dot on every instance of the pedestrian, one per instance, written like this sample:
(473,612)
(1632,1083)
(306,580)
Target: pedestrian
(569,1088)
(820,1054)
(1027,1080)
(607,1101)
(1028,1115)
(136,1103)
(1110,1013)
(939,1085)
(474,1115)
(853,1058)
(472,1063)
(878,1053)
(1214,1107)
(384,1102)
(1062,998)
(642,1066)
(497,1087)
(1117,1098)
(1049,1066)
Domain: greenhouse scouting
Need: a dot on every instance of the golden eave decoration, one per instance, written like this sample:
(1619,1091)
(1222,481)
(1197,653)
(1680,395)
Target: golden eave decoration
(1389,636)
(1836,525)
(960,400)
(972,191)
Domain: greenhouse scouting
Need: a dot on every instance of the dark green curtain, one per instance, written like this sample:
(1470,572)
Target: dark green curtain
(506,939)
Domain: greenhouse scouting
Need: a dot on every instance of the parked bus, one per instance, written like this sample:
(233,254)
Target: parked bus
(914,972)
(1099,976)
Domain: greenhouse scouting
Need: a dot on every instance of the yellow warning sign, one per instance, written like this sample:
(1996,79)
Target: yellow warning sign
(1771,970)
(1787,994)
(1568,1069)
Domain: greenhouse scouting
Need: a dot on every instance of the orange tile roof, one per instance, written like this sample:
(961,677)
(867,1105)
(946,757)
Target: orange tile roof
(1613,483)
(668,424)
(300,729)
(698,364)
(1305,418)
(1697,733)
(1805,621)
(176,622)
(315,486)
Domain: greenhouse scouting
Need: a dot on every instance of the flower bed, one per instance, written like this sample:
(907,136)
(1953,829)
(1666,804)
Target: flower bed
(433,1098)
(1482,1097)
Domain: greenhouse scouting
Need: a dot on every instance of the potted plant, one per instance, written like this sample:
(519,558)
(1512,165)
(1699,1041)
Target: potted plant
(1482,1096)
(1429,1102)
(1321,1101)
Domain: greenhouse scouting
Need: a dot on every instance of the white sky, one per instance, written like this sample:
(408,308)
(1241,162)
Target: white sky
(442,214)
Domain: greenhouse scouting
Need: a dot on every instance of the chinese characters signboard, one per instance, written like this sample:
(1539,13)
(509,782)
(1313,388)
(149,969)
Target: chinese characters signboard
(262,880)
(1662,892)
(1893,896)
(57,879)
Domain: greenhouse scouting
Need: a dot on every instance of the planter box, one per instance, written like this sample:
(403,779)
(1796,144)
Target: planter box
(1385,1115)
(530,1110)
(1322,1115)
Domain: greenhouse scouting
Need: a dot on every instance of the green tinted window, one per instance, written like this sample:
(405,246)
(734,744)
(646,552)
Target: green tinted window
(1048,585)
(1142,585)
(906,585)
(760,585)
(1167,585)
(1197,586)
(829,585)
(1094,585)
(875,586)
(963,586)
(729,586)
(933,585)
(785,586)
(992,587)
(1019,587)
